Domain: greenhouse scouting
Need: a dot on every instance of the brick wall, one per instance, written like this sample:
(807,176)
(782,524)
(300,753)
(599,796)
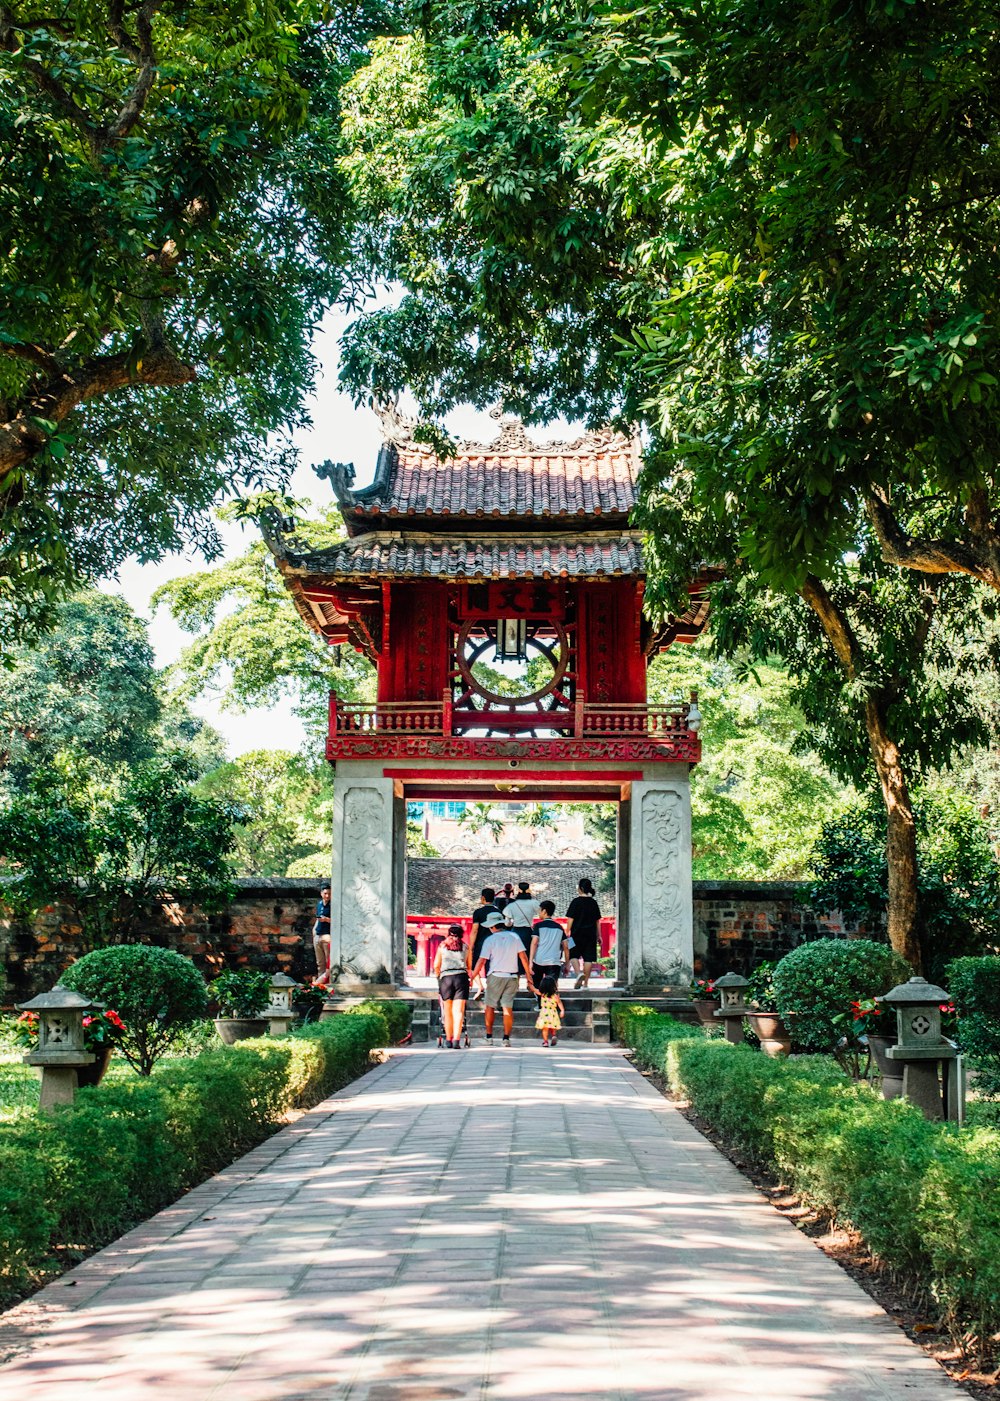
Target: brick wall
(447,887)
(270,922)
(738,924)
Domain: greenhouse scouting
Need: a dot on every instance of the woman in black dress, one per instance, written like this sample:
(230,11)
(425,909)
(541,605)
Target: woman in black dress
(584,915)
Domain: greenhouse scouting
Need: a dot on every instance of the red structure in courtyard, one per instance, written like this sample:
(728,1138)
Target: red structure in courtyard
(500,596)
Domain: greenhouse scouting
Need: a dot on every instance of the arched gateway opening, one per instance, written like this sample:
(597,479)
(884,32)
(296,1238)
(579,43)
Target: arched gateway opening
(499,595)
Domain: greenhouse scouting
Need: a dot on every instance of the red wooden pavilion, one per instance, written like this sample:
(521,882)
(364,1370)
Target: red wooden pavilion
(499,594)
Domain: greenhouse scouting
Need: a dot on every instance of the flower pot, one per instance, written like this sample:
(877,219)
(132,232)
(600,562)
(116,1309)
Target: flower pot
(891,1071)
(88,1075)
(233,1029)
(705,1007)
(772,1033)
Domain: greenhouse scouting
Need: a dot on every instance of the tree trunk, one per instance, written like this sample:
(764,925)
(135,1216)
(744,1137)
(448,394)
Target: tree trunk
(901,842)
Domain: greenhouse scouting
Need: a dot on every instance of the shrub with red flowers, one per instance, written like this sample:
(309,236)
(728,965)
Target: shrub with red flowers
(100,1030)
(703,990)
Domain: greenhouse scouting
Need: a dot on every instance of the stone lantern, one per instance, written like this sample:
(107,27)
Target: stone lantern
(733,1007)
(61,1050)
(931,1067)
(279,1007)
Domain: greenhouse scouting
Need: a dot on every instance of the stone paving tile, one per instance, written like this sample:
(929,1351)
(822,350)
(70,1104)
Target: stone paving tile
(496,1226)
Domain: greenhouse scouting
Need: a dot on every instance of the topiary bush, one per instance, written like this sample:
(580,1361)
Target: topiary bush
(816,984)
(156,992)
(974,987)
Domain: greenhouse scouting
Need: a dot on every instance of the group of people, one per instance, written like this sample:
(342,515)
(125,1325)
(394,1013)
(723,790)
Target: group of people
(515,934)
(512,934)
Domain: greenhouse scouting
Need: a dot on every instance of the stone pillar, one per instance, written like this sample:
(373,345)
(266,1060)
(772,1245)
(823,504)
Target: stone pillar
(363,899)
(659,895)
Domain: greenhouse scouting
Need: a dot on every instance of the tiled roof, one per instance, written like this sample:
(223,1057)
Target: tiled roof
(512,478)
(451,557)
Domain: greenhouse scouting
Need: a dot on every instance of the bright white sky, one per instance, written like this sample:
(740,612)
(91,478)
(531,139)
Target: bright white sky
(338,431)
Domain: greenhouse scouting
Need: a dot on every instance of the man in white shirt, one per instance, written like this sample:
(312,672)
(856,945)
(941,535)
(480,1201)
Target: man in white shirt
(504,952)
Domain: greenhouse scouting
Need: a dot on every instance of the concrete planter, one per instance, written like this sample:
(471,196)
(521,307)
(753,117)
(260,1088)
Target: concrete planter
(772,1033)
(891,1071)
(705,1008)
(233,1029)
(88,1075)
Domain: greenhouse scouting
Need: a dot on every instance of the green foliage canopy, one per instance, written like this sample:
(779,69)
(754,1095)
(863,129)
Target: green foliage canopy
(177,226)
(104,846)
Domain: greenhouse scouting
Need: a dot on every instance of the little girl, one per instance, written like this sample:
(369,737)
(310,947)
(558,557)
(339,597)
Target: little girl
(551,1011)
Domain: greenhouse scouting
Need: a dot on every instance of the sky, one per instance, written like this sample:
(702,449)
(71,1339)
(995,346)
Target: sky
(338,431)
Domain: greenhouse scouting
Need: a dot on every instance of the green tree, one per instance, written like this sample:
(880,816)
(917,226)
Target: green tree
(250,642)
(959,874)
(106,846)
(761,793)
(587,203)
(176,227)
(482,817)
(90,687)
(284,804)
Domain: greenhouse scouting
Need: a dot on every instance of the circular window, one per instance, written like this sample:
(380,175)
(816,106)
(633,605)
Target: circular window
(508,685)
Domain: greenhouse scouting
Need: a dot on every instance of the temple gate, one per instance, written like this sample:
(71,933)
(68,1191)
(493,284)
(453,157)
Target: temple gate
(512,557)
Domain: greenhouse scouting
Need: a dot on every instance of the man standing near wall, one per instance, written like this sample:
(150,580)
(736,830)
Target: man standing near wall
(504,952)
(321,938)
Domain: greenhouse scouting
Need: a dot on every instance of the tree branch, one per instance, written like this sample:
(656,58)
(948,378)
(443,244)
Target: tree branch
(840,634)
(36,355)
(981,559)
(22,437)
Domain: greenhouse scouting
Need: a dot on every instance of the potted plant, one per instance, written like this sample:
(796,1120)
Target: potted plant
(769,1026)
(873,1026)
(100,1032)
(242,994)
(704,999)
(309,1001)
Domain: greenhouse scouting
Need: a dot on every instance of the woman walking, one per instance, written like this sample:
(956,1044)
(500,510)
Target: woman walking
(583,915)
(521,913)
(451,968)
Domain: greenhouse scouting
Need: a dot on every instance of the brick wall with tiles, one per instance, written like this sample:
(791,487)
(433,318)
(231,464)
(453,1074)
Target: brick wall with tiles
(270,922)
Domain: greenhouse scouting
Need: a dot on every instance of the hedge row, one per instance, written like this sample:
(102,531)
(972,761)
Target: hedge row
(923,1196)
(75,1180)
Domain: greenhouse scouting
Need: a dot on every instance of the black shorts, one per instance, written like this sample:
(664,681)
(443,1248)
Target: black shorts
(584,945)
(525,935)
(454,987)
(545,970)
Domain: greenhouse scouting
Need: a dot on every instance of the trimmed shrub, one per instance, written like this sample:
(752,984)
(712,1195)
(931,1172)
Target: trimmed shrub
(74,1180)
(241,992)
(157,994)
(396,1015)
(974,987)
(817,982)
(922,1196)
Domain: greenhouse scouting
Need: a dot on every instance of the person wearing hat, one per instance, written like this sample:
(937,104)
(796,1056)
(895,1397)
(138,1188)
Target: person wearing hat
(503,953)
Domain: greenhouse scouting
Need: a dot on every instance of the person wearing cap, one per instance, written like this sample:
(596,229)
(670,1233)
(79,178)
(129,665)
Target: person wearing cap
(503,953)
(485,907)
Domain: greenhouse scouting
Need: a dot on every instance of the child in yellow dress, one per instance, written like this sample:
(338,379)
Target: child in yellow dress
(551,1012)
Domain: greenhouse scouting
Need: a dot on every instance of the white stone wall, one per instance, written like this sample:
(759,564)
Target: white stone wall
(361,908)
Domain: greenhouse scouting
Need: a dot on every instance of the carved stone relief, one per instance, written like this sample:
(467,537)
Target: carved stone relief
(665,894)
(365,862)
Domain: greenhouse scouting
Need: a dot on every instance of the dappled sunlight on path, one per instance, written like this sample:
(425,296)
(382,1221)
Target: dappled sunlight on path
(499,1225)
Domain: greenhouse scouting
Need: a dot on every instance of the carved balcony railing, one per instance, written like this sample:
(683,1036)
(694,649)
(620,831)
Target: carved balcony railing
(665,724)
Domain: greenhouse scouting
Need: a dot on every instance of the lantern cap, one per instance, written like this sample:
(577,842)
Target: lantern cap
(282,980)
(914,990)
(732,980)
(59,999)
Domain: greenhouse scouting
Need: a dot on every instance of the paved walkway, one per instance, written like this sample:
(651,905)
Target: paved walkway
(499,1225)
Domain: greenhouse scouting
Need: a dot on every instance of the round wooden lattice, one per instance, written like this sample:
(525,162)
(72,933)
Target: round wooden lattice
(480,645)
